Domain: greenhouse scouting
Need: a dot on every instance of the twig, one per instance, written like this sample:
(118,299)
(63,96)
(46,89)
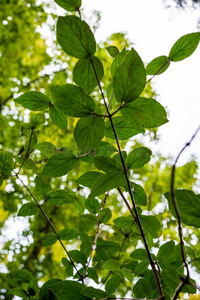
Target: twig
(178,216)
(50,224)
(152,263)
(96,235)
(26,155)
(127,204)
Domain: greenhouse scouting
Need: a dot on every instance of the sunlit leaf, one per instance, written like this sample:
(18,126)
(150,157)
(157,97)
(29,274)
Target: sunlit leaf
(34,101)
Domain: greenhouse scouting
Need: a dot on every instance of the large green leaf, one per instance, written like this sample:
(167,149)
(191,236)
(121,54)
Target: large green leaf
(105,215)
(17,277)
(124,129)
(93,293)
(49,240)
(78,256)
(69,5)
(139,194)
(45,293)
(60,164)
(67,234)
(88,133)
(166,250)
(103,149)
(72,100)
(130,78)
(147,113)
(75,37)
(42,186)
(111,264)
(139,254)
(138,158)
(34,101)
(58,117)
(84,74)
(60,197)
(6,163)
(112,285)
(87,179)
(158,65)
(107,164)
(184,47)
(68,290)
(27,209)
(188,205)
(151,225)
(123,222)
(46,148)
(107,182)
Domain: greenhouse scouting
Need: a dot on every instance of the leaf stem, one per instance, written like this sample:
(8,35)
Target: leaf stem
(152,263)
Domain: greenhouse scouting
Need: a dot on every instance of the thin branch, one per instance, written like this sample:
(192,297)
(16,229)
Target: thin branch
(194,285)
(50,224)
(152,263)
(26,155)
(96,235)
(127,204)
(121,106)
(158,71)
(178,216)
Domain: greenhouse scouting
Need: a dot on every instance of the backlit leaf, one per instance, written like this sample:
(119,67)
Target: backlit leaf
(68,290)
(84,75)
(34,101)
(111,264)
(158,65)
(60,197)
(6,163)
(112,50)
(107,164)
(146,113)
(69,5)
(58,117)
(87,179)
(93,293)
(27,209)
(130,78)
(138,158)
(112,285)
(60,164)
(117,61)
(75,37)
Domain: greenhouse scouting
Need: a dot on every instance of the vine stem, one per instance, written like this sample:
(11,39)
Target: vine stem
(50,224)
(178,216)
(152,263)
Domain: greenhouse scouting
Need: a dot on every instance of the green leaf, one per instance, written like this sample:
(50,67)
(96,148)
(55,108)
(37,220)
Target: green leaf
(123,222)
(92,205)
(107,164)
(111,264)
(141,267)
(88,178)
(58,117)
(84,75)
(78,256)
(124,129)
(147,113)
(93,293)
(158,65)
(75,37)
(112,51)
(46,148)
(188,204)
(68,265)
(184,47)
(130,78)
(108,246)
(138,158)
(166,250)
(68,290)
(45,293)
(151,225)
(42,186)
(105,215)
(27,209)
(88,133)
(93,275)
(6,163)
(142,288)
(35,101)
(126,273)
(107,182)
(72,100)
(49,240)
(139,195)
(117,61)
(139,254)
(19,292)
(104,148)
(69,5)
(17,277)
(60,164)
(37,121)
(112,285)
(60,197)
(67,234)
